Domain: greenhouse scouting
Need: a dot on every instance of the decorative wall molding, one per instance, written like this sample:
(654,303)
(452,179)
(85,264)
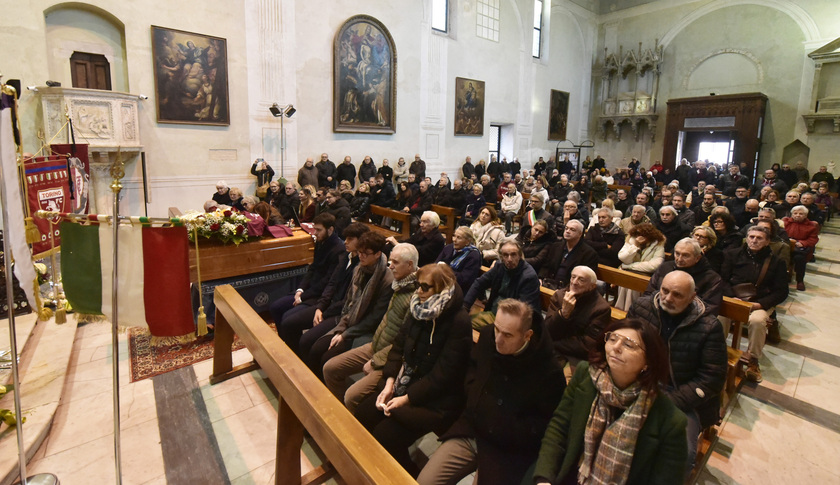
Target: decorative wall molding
(749,55)
(795,12)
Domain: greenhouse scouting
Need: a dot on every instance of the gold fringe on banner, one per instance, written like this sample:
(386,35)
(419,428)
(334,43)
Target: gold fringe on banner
(202,318)
(32,233)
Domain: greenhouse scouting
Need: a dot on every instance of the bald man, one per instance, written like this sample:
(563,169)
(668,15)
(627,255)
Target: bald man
(577,316)
(696,347)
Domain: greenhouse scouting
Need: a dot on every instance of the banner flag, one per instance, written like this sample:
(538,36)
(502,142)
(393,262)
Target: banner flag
(24,269)
(153,275)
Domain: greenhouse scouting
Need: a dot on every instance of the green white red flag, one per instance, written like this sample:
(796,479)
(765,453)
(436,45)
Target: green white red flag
(153,275)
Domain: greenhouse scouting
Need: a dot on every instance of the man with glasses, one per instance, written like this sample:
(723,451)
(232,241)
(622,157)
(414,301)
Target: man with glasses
(511,277)
(697,351)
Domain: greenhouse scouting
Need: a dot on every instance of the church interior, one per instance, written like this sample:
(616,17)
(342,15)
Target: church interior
(652,80)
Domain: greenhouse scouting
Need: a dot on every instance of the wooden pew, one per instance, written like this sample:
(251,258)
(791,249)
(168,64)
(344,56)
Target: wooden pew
(400,216)
(305,403)
(446,228)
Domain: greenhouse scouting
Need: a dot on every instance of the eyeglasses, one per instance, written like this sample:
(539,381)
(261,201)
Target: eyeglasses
(425,287)
(629,344)
(368,253)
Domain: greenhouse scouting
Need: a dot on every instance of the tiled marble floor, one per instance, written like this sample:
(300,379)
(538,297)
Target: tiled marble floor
(760,443)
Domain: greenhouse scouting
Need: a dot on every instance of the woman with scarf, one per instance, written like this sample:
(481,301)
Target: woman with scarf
(463,257)
(488,233)
(422,385)
(613,425)
(707,238)
(366,302)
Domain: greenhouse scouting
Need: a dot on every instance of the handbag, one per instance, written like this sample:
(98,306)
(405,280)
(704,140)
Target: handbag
(749,291)
(262,191)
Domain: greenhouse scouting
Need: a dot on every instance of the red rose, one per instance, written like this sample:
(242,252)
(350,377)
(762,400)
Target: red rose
(240,230)
(228,213)
(215,227)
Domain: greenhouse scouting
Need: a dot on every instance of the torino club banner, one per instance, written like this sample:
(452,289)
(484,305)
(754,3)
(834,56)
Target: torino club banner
(48,188)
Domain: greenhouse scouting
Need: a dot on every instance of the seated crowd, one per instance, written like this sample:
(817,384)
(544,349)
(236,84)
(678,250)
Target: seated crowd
(387,322)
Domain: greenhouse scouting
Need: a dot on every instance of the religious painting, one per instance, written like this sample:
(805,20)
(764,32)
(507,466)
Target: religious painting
(191,78)
(365,87)
(469,107)
(557,115)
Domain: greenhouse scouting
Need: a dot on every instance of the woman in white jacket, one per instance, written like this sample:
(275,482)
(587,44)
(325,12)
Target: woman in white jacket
(511,205)
(400,172)
(488,234)
(643,253)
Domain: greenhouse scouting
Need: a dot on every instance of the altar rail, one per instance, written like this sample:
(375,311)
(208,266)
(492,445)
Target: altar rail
(304,402)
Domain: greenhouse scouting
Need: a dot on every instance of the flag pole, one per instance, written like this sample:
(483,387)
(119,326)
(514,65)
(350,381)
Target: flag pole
(41,478)
(117,173)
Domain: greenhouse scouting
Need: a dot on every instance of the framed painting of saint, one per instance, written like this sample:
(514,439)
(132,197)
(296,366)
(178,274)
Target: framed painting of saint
(557,115)
(365,87)
(191,78)
(469,107)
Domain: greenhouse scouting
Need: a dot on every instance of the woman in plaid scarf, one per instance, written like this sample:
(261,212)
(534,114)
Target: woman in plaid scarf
(612,425)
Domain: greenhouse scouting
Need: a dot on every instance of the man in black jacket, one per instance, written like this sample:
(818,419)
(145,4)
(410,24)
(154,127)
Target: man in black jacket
(513,384)
(329,299)
(467,169)
(697,351)
(511,277)
(670,226)
(577,316)
(418,168)
(684,214)
(688,257)
(606,238)
(346,171)
(566,254)
(326,172)
(328,248)
(747,265)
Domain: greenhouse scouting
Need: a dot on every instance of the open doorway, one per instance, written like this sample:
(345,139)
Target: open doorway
(716,146)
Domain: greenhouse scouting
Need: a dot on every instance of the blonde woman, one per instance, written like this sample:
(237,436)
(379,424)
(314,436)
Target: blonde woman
(489,233)
(306,210)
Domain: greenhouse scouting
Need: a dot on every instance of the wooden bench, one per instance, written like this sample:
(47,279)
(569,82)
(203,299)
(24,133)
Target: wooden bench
(403,217)
(447,228)
(304,403)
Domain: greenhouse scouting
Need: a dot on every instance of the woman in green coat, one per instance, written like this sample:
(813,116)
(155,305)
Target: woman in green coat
(612,425)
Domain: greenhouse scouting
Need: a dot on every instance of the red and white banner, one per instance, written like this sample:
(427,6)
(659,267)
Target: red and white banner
(48,190)
(79,174)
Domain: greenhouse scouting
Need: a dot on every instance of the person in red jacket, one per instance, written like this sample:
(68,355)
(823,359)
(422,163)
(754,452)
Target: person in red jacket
(803,233)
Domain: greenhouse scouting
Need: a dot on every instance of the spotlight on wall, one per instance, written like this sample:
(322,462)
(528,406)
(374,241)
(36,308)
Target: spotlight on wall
(32,88)
(278,111)
(142,97)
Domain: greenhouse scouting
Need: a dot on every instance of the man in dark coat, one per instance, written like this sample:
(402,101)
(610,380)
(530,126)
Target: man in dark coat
(386,171)
(326,172)
(577,316)
(606,238)
(513,384)
(515,167)
(671,227)
(746,265)
(328,248)
(419,203)
(737,204)
(340,209)
(684,214)
(467,169)
(566,254)
(771,180)
(731,181)
(383,193)
(428,240)
(688,257)
(346,171)
(457,197)
(494,168)
(788,176)
(512,277)
(697,351)
(418,168)
(367,170)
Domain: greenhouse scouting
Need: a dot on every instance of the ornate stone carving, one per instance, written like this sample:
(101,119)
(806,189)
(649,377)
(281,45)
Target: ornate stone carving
(627,95)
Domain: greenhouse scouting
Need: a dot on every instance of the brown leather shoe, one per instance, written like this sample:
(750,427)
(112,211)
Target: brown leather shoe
(800,286)
(754,371)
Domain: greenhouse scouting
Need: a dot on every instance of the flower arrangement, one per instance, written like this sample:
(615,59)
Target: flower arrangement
(225,225)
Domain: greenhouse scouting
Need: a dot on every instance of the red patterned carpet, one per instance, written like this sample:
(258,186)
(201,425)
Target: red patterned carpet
(149,361)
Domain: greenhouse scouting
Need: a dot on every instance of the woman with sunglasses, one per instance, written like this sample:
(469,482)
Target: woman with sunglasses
(422,385)
(613,425)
